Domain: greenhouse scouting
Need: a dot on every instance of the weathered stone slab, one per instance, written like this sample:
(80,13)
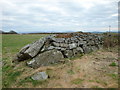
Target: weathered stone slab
(72,46)
(86,49)
(35,48)
(91,42)
(63,45)
(46,58)
(40,76)
(81,43)
(94,48)
(24,48)
(60,40)
(79,49)
(56,44)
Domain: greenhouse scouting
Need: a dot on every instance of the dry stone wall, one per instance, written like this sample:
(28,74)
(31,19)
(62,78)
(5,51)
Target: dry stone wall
(50,49)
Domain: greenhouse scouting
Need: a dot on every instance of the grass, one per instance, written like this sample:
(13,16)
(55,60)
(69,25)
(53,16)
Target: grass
(91,80)
(114,76)
(78,56)
(70,72)
(99,81)
(12,43)
(95,87)
(110,40)
(77,81)
(11,78)
(113,64)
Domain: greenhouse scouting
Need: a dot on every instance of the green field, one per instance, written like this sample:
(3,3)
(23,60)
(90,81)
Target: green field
(11,44)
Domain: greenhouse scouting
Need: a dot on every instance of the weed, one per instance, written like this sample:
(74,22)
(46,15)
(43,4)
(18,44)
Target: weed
(95,87)
(77,81)
(113,64)
(91,80)
(70,72)
(78,56)
(78,69)
(97,81)
(11,78)
(105,83)
(110,40)
(6,68)
(114,76)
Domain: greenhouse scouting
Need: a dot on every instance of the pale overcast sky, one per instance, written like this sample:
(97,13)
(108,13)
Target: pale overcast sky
(59,15)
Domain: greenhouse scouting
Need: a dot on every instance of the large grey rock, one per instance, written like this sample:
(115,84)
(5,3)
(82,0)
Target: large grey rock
(75,52)
(24,48)
(67,41)
(91,43)
(73,39)
(60,40)
(56,44)
(86,49)
(20,56)
(73,45)
(57,48)
(79,49)
(63,45)
(51,47)
(46,58)
(40,76)
(81,43)
(94,48)
(35,48)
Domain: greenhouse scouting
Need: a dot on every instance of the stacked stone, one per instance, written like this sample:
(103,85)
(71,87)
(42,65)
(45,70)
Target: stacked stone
(50,49)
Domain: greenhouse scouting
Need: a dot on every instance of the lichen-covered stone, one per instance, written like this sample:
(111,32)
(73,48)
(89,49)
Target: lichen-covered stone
(45,58)
(35,48)
(40,76)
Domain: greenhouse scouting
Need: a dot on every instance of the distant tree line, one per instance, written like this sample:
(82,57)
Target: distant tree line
(10,32)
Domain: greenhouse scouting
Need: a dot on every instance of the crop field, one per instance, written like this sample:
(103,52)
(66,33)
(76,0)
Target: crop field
(98,69)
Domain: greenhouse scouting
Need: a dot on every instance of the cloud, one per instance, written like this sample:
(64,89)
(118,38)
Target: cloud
(58,15)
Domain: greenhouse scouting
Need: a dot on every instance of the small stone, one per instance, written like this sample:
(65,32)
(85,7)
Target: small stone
(40,76)
(68,53)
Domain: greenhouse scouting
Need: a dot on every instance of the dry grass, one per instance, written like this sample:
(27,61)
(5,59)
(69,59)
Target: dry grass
(64,35)
(110,40)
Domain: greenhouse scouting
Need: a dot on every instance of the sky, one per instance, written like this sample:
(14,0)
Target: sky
(58,15)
